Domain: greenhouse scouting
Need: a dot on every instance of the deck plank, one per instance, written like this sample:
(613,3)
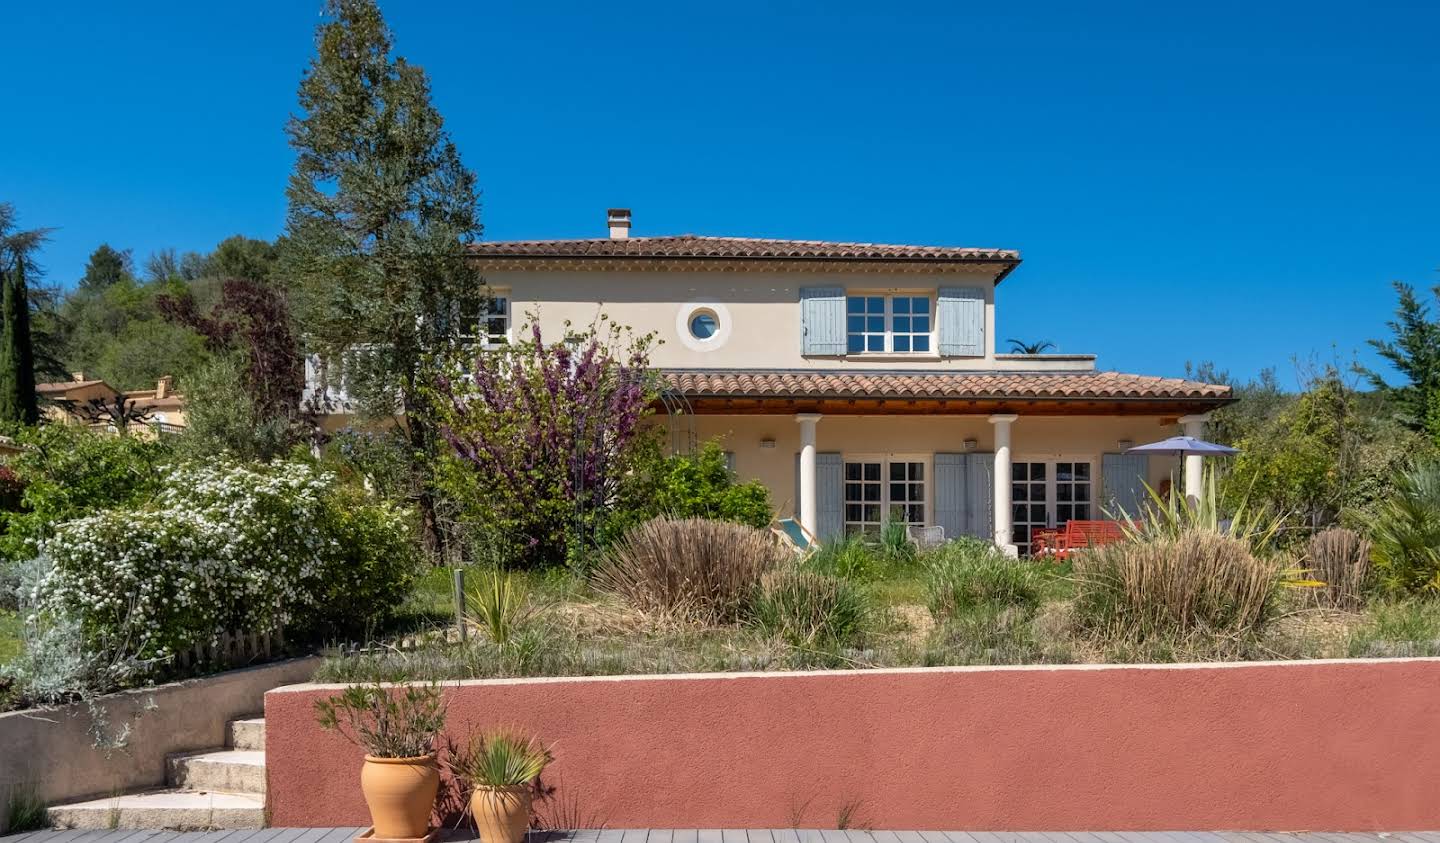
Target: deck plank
(709,835)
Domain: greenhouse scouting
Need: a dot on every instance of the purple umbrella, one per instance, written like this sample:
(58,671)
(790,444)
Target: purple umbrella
(1184,446)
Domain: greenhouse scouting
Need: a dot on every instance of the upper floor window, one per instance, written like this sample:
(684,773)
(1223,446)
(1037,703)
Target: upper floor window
(897,324)
(486,320)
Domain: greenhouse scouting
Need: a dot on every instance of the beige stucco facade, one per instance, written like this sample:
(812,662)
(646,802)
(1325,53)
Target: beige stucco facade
(758,312)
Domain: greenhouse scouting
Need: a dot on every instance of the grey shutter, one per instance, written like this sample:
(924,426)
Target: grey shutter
(1123,477)
(830,494)
(960,319)
(979,510)
(950,473)
(822,320)
(730,461)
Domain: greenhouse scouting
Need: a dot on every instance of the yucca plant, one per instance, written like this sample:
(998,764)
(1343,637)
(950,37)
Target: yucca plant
(500,605)
(502,758)
(1171,516)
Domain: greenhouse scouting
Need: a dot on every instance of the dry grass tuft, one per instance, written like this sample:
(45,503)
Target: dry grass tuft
(690,568)
(1175,587)
(1340,558)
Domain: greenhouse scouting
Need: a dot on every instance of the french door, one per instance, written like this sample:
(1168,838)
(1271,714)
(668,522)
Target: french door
(1047,494)
(879,490)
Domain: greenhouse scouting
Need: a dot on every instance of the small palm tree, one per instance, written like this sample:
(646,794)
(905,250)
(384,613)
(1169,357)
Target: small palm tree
(1018,347)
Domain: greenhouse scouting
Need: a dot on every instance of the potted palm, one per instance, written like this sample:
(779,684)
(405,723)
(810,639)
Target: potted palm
(501,767)
(397,728)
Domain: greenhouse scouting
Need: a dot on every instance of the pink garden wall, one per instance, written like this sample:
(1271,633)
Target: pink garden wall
(1337,746)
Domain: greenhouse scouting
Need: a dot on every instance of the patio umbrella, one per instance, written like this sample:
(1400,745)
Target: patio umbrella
(1181,447)
(1184,446)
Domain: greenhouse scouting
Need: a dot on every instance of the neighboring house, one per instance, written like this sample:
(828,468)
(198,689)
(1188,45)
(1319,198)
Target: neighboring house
(85,400)
(860,382)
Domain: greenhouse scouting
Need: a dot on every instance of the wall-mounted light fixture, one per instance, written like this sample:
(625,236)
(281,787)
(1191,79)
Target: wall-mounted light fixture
(971,444)
(767,442)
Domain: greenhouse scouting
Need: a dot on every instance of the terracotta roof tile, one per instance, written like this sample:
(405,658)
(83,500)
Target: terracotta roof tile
(952,385)
(697,246)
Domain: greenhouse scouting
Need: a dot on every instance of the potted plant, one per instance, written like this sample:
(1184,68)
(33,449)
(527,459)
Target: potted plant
(397,728)
(500,768)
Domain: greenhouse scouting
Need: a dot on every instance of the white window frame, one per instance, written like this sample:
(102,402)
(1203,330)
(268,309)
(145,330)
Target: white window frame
(889,333)
(1052,484)
(477,331)
(885,460)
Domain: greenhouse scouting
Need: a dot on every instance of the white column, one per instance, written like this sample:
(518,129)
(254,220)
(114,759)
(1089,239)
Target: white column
(809,511)
(1194,426)
(1004,524)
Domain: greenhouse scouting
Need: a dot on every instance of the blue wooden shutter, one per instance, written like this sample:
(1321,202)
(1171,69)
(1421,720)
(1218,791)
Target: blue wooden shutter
(830,496)
(950,472)
(979,510)
(960,319)
(822,320)
(1123,477)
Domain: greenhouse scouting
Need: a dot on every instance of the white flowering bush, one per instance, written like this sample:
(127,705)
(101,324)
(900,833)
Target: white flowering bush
(227,547)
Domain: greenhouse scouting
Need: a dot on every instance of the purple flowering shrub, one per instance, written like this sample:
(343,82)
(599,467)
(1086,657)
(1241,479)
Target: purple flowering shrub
(542,436)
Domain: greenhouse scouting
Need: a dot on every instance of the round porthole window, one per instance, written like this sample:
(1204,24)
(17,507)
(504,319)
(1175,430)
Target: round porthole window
(704,325)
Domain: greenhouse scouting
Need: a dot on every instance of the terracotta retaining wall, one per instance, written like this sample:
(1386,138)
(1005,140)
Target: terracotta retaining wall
(1320,745)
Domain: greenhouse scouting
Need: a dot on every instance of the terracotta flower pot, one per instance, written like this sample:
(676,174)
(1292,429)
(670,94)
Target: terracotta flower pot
(400,793)
(502,814)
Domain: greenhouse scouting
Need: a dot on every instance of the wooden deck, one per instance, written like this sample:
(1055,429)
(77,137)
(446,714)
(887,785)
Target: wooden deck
(781,835)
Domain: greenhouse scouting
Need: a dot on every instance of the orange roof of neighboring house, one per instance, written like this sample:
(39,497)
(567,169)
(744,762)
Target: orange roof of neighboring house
(1061,386)
(741,248)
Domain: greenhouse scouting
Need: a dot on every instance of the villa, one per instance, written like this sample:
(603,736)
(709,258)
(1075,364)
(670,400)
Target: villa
(860,382)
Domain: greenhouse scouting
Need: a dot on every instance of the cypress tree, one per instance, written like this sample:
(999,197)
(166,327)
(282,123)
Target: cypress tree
(17,357)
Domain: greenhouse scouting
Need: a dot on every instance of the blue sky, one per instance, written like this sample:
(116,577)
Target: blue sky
(1232,182)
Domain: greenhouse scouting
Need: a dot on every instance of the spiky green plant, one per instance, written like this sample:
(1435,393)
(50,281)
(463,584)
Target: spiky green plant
(1406,533)
(502,758)
(500,605)
(1171,516)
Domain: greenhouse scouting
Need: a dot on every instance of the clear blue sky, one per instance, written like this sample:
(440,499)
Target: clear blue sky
(1236,182)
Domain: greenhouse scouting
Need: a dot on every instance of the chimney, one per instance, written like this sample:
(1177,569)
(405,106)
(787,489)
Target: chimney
(162,387)
(619,221)
(77,377)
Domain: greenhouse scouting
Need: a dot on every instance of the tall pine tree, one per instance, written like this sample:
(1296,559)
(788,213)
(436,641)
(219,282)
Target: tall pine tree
(17,356)
(1414,352)
(381,210)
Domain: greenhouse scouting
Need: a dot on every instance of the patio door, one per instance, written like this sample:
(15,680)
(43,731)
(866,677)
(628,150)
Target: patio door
(880,489)
(1047,494)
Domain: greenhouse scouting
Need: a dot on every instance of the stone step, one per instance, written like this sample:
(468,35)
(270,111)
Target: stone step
(171,809)
(225,770)
(248,733)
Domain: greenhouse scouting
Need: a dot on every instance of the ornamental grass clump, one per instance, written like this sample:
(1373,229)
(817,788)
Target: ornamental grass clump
(1340,559)
(1195,583)
(689,568)
(968,574)
(811,611)
(385,722)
